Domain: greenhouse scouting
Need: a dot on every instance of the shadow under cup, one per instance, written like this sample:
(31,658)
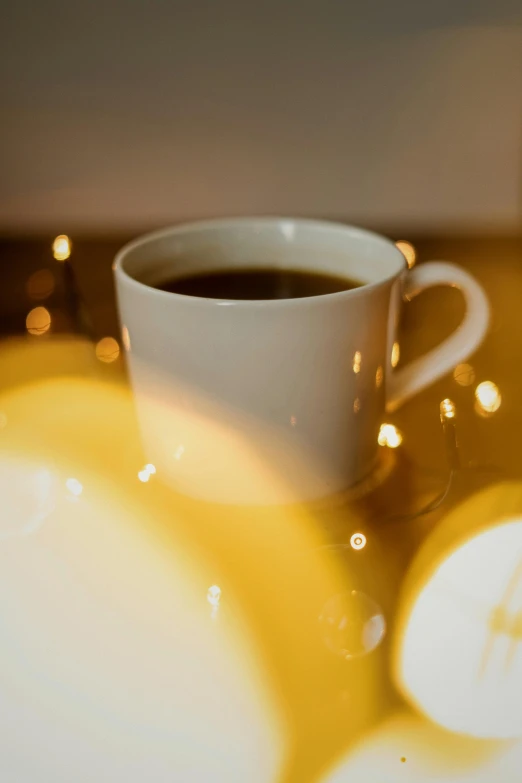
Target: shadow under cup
(265,401)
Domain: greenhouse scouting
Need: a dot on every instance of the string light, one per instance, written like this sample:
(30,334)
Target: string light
(447,409)
(448,413)
(62,247)
(389,436)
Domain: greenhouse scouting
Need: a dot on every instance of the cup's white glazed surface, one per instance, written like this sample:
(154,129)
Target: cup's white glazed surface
(268,401)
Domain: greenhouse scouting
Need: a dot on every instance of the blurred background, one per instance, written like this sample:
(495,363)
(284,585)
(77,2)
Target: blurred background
(121,116)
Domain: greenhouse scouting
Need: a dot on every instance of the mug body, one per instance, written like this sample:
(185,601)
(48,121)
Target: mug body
(259,402)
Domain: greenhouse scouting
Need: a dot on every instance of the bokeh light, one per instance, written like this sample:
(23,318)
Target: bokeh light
(38,321)
(107,350)
(358,541)
(150,468)
(464,374)
(40,285)
(62,247)
(488,397)
(389,436)
(214,595)
(356,405)
(408,251)
(352,624)
(74,486)
(379,375)
(357,362)
(395,354)
(459,632)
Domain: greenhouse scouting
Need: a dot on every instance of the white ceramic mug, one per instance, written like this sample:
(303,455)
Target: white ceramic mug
(274,401)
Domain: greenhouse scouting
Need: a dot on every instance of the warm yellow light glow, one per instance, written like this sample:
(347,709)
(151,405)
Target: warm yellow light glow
(447,409)
(356,405)
(389,436)
(74,486)
(62,247)
(27,496)
(120,541)
(379,375)
(395,354)
(358,541)
(464,374)
(150,468)
(408,251)
(488,396)
(107,350)
(214,595)
(357,362)
(40,285)
(293,421)
(179,452)
(406,748)
(125,337)
(459,632)
(38,321)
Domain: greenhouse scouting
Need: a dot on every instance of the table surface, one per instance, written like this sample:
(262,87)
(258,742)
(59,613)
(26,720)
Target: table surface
(319,689)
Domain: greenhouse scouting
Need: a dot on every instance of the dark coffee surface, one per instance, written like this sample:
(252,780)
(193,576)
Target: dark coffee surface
(260,283)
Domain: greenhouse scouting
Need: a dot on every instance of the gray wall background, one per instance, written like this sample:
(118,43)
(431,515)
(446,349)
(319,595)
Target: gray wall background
(127,114)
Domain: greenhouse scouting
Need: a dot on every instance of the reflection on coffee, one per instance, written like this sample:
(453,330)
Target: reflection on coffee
(259,284)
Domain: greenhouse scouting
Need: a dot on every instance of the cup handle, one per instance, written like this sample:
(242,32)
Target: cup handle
(404,383)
